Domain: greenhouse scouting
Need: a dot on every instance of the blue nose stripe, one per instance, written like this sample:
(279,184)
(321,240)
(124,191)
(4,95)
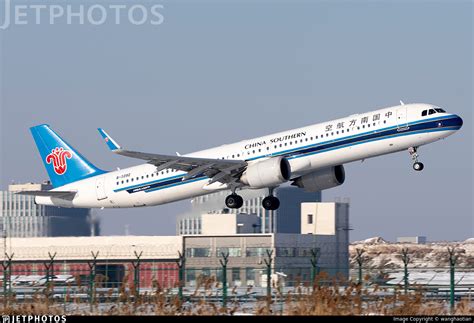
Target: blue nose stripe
(458,121)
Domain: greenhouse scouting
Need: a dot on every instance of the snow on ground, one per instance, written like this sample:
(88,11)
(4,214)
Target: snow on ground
(378,253)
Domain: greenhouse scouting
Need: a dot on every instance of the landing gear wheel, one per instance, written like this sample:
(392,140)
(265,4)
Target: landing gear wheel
(271,203)
(418,166)
(414,156)
(234,201)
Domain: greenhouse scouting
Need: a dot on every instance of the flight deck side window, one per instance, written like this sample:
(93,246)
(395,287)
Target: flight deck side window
(424,113)
(432,111)
(440,110)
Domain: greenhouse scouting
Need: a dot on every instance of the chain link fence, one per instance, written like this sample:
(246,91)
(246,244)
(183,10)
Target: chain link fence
(95,282)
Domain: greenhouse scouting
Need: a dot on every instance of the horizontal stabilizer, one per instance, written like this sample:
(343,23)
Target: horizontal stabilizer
(58,194)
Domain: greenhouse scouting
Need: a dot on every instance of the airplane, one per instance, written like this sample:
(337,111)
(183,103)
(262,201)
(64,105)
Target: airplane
(311,158)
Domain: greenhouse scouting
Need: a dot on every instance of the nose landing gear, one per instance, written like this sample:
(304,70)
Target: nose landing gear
(418,166)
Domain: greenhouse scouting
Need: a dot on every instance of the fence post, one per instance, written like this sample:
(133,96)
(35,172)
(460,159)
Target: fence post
(452,263)
(406,260)
(7,270)
(360,262)
(92,273)
(180,262)
(315,253)
(268,263)
(136,273)
(224,277)
(49,266)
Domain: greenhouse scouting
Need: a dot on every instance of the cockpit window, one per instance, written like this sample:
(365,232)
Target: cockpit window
(440,110)
(424,113)
(432,111)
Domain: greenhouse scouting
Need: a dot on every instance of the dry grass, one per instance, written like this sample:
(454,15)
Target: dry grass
(321,299)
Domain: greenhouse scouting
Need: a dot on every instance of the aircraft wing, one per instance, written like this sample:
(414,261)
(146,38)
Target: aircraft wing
(219,170)
(59,194)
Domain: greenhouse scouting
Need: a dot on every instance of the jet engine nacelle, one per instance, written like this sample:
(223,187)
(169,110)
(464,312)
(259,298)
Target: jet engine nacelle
(321,179)
(267,173)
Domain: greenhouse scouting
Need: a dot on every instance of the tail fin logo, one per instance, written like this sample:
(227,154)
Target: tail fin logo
(58,157)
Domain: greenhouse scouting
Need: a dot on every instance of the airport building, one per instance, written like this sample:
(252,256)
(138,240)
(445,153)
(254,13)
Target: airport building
(21,217)
(41,235)
(284,220)
(117,258)
(415,239)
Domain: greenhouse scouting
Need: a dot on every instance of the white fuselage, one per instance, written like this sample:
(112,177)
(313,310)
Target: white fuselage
(307,149)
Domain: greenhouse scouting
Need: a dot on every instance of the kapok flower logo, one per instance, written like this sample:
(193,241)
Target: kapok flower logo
(58,157)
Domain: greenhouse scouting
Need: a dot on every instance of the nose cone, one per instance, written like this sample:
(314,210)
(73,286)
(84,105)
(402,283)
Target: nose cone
(458,121)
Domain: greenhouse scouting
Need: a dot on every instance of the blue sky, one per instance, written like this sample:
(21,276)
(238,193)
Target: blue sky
(217,72)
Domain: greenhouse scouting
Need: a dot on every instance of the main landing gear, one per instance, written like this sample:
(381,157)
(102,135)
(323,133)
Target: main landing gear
(418,166)
(234,201)
(271,203)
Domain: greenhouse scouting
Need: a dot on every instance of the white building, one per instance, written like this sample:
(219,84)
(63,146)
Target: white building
(229,223)
(21,217)
(328,219)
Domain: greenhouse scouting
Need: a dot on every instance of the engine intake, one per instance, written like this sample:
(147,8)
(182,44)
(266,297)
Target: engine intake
(322,179)
(267,173)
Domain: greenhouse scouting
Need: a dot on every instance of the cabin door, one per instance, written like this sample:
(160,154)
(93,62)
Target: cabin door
(100,188)
(402,118)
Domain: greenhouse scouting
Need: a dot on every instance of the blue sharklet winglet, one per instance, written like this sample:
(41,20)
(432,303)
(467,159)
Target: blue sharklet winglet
(112,144)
